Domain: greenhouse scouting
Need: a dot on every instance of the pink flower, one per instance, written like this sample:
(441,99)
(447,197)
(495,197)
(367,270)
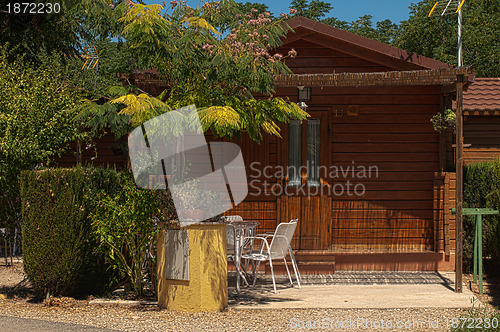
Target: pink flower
(174,3)
(293,11)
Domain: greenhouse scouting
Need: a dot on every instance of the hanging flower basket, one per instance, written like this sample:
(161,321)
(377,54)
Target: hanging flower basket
(444,120)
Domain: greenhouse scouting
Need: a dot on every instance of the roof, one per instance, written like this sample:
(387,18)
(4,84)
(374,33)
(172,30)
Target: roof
(444,77)
(359,46)
(483,96)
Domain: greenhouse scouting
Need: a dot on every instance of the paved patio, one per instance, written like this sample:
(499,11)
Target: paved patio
(346,290)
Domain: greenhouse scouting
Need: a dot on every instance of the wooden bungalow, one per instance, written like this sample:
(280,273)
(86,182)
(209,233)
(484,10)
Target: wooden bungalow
(370,132)
(366,173)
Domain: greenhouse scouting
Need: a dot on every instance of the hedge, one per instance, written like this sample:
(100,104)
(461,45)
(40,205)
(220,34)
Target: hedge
(59,246)
(482,190)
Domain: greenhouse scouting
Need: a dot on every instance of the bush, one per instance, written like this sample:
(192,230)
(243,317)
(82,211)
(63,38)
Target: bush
(482,190)
(54,238)
(61,250)
(126,223)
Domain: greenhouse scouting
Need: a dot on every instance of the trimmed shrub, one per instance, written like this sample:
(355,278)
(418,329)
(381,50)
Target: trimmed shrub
(54,237)
(61,250)
(482,190)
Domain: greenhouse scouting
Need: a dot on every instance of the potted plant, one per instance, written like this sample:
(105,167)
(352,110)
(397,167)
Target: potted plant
(444,120)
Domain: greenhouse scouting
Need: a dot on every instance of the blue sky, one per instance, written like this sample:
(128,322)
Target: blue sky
(347,10)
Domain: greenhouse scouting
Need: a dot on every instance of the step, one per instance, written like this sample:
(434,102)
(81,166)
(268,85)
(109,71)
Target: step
(305,267)
(314,256)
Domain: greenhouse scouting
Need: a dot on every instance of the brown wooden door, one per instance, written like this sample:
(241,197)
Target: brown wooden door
(305,189)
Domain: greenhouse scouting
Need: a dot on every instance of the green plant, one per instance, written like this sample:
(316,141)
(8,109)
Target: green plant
(479,318)
(214,57)
(63,253)
(125,224)
(444,120)
(35,125)
(482,190)
(54,237)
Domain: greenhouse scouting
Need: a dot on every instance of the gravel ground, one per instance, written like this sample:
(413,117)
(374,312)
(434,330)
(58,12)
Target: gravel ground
(150,318)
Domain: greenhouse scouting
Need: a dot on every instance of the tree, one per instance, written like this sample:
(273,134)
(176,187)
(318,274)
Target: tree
(436,37)
(363,26)
(65,32)
(335,22)
(314,10)
(386,31)
(35,123)
(247,7)
(215,57)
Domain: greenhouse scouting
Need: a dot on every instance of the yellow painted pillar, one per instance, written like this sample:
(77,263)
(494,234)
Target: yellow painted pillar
(206,289)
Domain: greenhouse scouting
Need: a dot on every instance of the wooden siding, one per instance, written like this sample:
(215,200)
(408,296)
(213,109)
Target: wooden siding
(260,204)
(97,153)
(483,135)
(391,131)
(313,58)
(444,220)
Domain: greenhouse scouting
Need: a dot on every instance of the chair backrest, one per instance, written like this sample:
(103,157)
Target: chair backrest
(282,238)
(231,240)
(230,232)
(233,218)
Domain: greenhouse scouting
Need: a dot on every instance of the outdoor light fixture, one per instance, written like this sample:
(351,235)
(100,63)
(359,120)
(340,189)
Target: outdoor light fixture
(302,105)
(303,93)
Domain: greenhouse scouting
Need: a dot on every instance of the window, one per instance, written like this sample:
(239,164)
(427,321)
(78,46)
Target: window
(295,147)
(313,152)
(294,153)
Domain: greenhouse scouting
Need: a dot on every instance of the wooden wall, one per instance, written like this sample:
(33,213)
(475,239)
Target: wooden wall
(483,135)
(314,58)
(392,132)
(99,152)
(260,204)
(444,221)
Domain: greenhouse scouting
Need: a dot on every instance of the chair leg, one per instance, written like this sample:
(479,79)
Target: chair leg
(295,267)
(255,274)
(288,271)
(272,274)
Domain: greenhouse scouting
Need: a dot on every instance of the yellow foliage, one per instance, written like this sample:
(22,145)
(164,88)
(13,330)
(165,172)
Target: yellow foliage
(220,117)
(202,23)
(271,127)
(140,107)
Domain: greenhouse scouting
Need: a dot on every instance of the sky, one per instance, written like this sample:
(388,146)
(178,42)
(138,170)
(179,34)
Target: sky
(347,10)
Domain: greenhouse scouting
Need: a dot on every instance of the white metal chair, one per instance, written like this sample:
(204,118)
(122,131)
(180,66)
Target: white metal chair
(231,236)
(277,249)
(232,242)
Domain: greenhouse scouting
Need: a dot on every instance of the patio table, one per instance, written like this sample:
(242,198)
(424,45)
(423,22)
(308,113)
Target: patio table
(242,229)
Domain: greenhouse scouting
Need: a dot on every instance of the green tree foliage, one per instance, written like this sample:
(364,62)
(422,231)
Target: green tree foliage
(35,123)
(114,58)
(247,7)
(78,22)
(215,57)
(315,10)
(436,37)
